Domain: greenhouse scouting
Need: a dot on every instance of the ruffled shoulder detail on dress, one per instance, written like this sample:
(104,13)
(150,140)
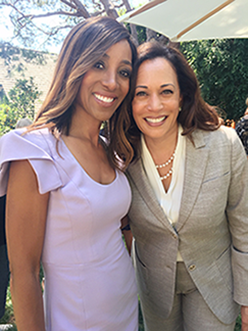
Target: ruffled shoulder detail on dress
(35,147)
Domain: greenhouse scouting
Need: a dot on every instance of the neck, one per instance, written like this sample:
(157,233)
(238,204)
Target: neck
(85,130)
(162,149)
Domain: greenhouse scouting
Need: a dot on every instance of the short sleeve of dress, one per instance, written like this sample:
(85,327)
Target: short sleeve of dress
(34,147)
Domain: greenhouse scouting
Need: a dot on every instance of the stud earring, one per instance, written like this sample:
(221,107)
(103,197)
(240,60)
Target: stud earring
(180,108)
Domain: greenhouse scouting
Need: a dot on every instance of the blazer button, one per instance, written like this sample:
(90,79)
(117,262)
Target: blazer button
(192,267)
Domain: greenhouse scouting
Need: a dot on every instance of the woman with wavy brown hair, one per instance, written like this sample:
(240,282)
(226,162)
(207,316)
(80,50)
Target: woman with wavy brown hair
(66,196)
(189,211)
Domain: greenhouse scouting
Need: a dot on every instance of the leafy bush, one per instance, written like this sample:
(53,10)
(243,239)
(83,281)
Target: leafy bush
(222,71)
(8,317)
(20,104)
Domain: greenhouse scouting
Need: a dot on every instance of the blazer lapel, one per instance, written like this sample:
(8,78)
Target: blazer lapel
(195,165)
(136,171)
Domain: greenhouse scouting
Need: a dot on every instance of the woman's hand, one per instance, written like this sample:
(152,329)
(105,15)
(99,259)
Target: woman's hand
(244,318)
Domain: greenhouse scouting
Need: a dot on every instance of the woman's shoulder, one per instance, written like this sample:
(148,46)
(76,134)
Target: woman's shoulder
(223,140)
(20,141)
(222,134)
(38,147)
(38,136)
(226,134)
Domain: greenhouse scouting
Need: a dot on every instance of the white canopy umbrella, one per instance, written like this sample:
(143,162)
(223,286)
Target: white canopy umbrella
(185,20)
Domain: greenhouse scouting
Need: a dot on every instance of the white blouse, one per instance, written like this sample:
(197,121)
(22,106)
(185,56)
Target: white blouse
(170,201)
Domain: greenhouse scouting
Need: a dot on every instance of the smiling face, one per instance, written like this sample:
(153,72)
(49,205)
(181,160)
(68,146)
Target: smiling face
(106,84)
(156,99)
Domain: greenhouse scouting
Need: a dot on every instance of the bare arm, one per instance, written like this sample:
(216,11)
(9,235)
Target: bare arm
(244,317)
(26,212)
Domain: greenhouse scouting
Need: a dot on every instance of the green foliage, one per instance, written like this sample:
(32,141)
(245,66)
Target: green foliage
(8,119)
(222,71)
(8,317)
(12,56)
(22,97)
(141,33)
(21,104)
(141,323)
(238,324)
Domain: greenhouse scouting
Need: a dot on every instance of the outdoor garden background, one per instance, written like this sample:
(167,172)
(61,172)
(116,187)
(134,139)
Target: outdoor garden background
(220,65)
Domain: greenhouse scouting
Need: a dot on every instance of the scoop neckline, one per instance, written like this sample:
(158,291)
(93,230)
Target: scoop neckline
(85,172)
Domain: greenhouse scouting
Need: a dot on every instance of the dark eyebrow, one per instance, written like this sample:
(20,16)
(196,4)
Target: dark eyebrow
(127,62)
(123,61)
(141,86)
(165,85)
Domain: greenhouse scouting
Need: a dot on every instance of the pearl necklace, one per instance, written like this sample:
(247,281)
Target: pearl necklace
(169,173)
(159,166)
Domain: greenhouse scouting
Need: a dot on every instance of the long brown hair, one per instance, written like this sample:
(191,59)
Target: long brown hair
(86,43)
(195,112)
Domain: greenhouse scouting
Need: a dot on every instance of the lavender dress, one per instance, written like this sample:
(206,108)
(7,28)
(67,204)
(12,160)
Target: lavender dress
(89,277)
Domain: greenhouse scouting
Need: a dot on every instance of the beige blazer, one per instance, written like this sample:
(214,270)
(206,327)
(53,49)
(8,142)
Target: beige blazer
(211,233)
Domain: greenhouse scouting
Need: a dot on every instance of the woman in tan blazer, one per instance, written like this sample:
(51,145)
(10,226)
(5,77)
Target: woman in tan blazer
(189,213)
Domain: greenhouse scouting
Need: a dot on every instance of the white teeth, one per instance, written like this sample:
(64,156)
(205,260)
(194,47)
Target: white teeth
(155,120)
(104,99)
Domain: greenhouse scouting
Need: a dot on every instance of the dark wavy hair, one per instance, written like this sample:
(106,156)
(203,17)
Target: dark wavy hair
(85,44)
(195,113)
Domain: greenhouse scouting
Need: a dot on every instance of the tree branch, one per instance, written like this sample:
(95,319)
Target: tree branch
(31,16)
(24,21)
(81,8)
(69,4)
(109,8)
